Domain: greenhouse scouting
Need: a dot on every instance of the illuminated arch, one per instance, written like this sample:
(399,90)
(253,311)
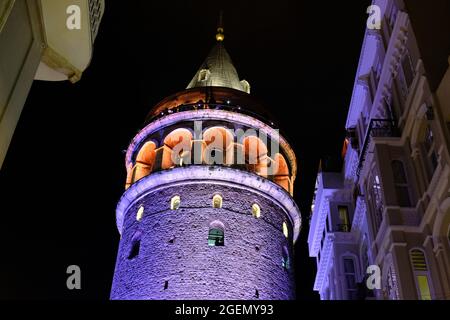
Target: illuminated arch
(219,144)
(129,176)
(179,143)
(144,161)
(280,172)
(147,154)
(254,149)
(179,138)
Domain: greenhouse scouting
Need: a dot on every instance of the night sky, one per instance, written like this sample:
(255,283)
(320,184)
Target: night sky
(64,172)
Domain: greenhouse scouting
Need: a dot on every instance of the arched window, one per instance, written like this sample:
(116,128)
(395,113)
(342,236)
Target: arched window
(285,230)
(285,261)
(140,213)
(245,86)
(254,150)
(135,246)
(350,278)
(401,184)
(203,75)
(216,234)
(256,210)
(217,201)
(219,146)
(144,161)
(179,143)
(175,203)
(421,274)
(281,172)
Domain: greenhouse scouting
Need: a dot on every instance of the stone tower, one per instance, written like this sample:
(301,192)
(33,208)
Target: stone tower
(208,211)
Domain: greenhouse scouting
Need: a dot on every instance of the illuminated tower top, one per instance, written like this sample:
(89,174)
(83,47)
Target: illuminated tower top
(218,70)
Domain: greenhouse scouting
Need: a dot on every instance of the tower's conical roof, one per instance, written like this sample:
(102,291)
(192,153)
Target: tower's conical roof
(218,71)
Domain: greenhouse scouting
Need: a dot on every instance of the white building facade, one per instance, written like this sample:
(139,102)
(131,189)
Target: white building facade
(41,40)
(389,207)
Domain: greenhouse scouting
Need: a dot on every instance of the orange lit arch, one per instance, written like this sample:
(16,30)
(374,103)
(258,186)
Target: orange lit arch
(144,161)
(281,172)
(219,139)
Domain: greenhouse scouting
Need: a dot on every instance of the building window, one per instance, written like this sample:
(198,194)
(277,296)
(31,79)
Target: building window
(376,200)
(216,234)
(285,261)
(175,203)
(350,278)
(256,210)
(420,268)
(245,86)
(135,246)
(344,219)
(140,213)
(203,75)
(430,148)
(217,201)
(408,70)
(285,230)
(401,184)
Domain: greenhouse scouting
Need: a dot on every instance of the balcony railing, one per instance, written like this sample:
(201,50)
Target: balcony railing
(377,128)
(215,106)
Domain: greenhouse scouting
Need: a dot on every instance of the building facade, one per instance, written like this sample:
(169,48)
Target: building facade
(389,206)
(37,44)
(208,211)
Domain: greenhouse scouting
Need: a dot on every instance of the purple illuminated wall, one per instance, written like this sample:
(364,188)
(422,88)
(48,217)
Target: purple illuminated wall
(175,260)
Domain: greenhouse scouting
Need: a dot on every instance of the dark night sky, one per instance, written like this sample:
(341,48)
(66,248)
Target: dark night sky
(64,172)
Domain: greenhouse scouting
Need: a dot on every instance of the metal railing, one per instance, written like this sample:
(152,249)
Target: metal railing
(215,106)
(377,128)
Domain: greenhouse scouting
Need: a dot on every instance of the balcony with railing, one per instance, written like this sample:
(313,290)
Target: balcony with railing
(378,128)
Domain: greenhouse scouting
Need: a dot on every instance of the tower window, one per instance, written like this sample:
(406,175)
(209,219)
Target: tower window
(245,86)
(140,213)
(135,246)
(216,235)
(256,210)
(285,261)
(175,203)
(166,285)
(217,201)
(203,75)
(285,230)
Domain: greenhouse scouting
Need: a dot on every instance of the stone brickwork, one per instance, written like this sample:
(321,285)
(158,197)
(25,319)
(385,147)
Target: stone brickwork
(176,262)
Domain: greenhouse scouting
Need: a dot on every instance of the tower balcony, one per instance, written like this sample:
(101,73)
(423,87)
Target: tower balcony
(180,133)
(378,128)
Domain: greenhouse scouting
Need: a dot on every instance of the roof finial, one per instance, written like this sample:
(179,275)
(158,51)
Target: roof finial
(220,36)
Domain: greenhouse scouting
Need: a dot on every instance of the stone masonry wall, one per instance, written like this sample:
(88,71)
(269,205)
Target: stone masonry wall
(175,261)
